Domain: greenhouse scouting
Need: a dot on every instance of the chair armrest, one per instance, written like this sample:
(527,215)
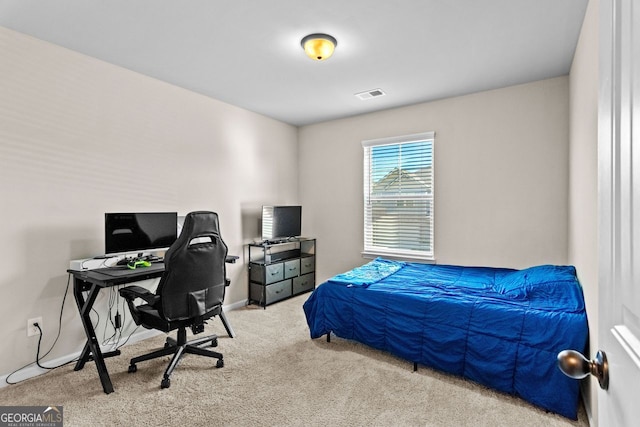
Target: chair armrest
(130,293)
(230,259)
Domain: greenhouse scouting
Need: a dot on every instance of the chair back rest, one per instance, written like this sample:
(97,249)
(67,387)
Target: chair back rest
(193,283)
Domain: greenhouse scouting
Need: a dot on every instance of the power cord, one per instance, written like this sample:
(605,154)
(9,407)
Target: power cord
(119,322)
(125,310)
(38,352)
(37,361)
(130,335)
(116,322)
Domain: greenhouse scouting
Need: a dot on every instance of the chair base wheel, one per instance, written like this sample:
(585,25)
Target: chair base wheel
(165,383)
(219,363)
(132,368)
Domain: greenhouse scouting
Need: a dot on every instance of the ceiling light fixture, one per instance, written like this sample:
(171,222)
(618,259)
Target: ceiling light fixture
(319,46)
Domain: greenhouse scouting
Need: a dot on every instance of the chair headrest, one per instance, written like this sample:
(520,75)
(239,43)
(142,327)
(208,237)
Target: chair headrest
(200,223)
(196,224)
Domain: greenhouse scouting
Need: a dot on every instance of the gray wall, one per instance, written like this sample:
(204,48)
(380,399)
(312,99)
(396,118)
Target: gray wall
(501,177)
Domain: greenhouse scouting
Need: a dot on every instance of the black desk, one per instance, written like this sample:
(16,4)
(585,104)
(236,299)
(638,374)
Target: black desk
(92,281)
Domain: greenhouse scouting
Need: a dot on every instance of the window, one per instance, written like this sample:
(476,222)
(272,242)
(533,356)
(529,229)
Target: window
(398,196)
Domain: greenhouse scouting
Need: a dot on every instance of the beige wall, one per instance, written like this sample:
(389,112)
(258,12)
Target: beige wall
(501,177)
(583,180)
(80,137)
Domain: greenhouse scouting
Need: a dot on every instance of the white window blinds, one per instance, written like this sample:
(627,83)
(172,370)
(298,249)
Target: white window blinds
(398,196)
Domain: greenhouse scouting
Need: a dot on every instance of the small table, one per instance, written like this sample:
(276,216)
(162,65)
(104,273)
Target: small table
(92,281)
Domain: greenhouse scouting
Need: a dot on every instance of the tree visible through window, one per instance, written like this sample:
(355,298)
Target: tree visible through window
(398,196)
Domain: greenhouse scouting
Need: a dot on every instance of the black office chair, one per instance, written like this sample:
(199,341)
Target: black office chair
(190,291)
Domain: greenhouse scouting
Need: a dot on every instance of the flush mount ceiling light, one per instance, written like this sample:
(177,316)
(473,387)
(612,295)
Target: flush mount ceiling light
(319,46)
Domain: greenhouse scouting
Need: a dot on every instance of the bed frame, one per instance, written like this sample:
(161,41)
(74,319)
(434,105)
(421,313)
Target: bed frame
(499,327)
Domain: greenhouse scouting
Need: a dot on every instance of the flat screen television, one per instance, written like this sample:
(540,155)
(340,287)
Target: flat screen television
(281,222)
(138,232)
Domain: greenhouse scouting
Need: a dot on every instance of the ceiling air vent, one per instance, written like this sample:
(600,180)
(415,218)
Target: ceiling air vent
(373,93)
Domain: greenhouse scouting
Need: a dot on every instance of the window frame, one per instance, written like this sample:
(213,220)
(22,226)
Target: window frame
(370,250)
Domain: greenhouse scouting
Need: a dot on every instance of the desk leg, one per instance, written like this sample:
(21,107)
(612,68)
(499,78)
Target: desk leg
(91,348)
(227,325)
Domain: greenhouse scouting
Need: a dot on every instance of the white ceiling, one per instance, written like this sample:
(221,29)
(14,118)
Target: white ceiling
(248,53)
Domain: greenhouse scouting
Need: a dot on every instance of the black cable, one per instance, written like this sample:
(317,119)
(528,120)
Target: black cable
(121,319)
(64,298)
(112,300)
(97,322)
(125,310)
(127,340)
(108,319)
(38,353)
(17,370)
(111,303)
(104,259)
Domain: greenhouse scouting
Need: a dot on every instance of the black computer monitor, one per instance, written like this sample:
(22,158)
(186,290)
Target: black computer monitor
(281,222)
(138,232)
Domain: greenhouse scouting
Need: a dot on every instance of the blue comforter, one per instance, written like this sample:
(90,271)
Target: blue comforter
(502,328)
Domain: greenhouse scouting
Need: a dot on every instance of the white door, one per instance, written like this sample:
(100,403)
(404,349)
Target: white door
(619,210)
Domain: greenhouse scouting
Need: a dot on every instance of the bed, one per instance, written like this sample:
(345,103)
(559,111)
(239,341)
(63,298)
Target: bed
(499,327)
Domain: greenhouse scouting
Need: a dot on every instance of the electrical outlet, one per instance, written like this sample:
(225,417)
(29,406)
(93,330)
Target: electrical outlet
(32,330)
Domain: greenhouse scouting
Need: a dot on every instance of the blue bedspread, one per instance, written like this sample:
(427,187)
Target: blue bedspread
(502,328)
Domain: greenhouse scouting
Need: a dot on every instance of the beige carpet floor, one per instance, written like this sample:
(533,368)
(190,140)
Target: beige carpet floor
(275,375)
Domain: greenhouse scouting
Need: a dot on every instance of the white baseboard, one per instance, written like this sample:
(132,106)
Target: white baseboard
(584,385)
(34,370)
(235,305)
